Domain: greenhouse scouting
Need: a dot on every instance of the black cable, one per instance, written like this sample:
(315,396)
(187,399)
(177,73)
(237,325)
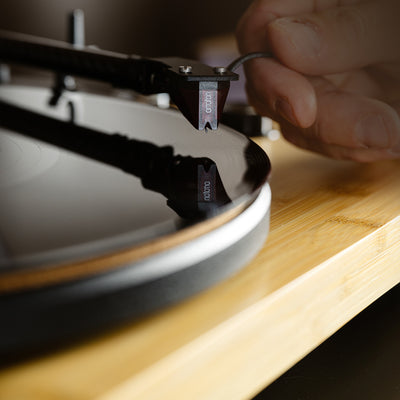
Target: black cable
(239,61)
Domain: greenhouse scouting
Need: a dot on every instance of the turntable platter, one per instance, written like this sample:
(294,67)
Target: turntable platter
(80,234)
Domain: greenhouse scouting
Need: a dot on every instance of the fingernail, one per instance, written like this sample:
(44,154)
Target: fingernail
(285,110)
(372,132)
(303,34)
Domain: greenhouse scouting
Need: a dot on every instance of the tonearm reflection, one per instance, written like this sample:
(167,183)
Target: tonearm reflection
(192,185)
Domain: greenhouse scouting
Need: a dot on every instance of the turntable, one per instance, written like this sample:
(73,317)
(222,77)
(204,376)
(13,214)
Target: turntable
(112,208)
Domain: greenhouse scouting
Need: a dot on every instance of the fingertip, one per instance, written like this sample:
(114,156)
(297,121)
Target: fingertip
(281,92)
(297,114)
(299,107)
(305,105)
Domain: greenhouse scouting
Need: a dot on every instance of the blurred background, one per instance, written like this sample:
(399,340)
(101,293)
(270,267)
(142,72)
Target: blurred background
(149,28)
(202,30)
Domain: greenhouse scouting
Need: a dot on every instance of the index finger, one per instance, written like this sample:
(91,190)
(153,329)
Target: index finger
(278,90)
(251,30)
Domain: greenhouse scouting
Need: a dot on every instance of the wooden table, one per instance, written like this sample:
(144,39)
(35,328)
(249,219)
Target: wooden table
(333,248)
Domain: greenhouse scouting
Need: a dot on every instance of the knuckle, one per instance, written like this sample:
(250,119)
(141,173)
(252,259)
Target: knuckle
(360,155)
(392,123)
(318,133)
(363,156)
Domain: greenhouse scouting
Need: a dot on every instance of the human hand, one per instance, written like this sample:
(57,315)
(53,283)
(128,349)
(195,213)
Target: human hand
(334,84)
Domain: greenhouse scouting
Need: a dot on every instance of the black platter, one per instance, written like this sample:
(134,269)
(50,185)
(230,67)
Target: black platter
(110,209)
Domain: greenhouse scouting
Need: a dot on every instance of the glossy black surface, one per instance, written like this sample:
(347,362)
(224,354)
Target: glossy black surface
(43,320)
(57,206)
(118,175)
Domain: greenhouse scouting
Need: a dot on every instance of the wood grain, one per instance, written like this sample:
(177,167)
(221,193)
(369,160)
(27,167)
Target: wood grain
(333,249)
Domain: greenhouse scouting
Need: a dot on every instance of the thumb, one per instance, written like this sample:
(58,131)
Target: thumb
(338,39)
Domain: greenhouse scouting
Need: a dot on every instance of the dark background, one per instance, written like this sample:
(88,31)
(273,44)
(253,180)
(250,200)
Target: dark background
(145,27)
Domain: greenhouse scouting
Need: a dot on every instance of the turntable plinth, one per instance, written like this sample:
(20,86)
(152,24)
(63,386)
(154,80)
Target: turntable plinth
(332,250)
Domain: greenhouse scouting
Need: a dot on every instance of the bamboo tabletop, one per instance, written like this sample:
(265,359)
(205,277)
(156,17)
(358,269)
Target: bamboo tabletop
(333,248)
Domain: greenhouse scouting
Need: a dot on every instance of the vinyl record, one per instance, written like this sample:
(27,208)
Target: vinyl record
(110,209)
